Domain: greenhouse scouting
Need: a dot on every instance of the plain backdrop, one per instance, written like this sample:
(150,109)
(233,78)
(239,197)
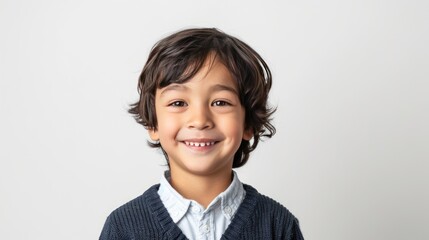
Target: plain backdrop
(350,157)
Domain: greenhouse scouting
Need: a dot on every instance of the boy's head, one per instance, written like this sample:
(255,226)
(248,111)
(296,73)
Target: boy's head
(182,57)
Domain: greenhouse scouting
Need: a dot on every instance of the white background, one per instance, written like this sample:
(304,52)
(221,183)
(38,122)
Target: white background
(350,158)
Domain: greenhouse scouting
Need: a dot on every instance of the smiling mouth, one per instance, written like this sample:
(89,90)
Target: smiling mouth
(199,144)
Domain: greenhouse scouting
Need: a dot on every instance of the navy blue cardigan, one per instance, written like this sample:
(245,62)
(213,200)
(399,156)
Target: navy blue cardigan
(258,217)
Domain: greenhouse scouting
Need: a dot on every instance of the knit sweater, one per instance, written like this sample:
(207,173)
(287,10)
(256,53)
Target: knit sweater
(145,217)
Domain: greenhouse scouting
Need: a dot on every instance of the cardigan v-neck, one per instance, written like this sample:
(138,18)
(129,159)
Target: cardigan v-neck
(171,229)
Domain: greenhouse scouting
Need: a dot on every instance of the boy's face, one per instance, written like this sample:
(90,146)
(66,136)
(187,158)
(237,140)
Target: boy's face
(201,122)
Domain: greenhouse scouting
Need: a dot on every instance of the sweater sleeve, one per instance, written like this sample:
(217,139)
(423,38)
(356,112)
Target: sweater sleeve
(109,231)
(296,231)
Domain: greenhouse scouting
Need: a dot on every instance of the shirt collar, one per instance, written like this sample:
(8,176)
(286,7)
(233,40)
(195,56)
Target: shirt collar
(177,206)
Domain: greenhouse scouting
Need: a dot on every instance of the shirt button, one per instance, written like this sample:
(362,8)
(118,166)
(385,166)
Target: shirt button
(205,228)
(228,210)
(195,209)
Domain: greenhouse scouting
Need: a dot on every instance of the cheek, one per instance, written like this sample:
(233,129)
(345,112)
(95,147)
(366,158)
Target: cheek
(168,127)
(234,126)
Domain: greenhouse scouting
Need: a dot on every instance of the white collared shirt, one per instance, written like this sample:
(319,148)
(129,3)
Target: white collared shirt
(195,221)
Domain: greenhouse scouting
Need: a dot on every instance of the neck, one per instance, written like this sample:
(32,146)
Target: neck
(200,188)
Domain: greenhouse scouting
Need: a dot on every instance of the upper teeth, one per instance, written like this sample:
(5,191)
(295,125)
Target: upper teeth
(199,144)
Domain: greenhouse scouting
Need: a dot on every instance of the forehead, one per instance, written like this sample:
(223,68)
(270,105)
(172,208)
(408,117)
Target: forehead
(213,73)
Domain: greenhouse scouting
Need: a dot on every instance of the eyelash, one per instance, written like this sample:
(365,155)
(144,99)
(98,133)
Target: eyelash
(217,103)
(223,103)
(177,104)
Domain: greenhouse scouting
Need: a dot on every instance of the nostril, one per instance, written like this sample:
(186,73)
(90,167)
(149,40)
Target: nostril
(200,117)
(201,124)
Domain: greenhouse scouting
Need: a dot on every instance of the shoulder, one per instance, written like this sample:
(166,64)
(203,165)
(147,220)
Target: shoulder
(137,205)
(273,212)
(268,204)
(123,220)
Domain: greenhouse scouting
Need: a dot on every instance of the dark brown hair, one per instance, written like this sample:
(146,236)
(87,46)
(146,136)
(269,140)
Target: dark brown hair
(178,57)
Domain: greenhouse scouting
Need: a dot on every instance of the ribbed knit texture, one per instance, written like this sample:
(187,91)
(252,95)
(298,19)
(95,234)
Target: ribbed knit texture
(258,217)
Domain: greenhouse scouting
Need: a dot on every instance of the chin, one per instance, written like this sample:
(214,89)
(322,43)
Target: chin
(206,169)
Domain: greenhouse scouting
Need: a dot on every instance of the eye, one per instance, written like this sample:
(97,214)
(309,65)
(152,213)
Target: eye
(220,103)
(177,104)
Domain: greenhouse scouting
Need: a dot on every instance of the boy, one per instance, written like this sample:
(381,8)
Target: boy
(203,97)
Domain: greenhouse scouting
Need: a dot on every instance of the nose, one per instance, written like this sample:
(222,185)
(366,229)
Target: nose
(200,118)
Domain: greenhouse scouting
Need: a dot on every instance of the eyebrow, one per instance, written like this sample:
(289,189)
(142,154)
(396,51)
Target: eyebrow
(214,88)
(221,87)
(172,87)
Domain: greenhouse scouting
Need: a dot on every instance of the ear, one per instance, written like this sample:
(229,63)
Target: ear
(247,134)
(153,133)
